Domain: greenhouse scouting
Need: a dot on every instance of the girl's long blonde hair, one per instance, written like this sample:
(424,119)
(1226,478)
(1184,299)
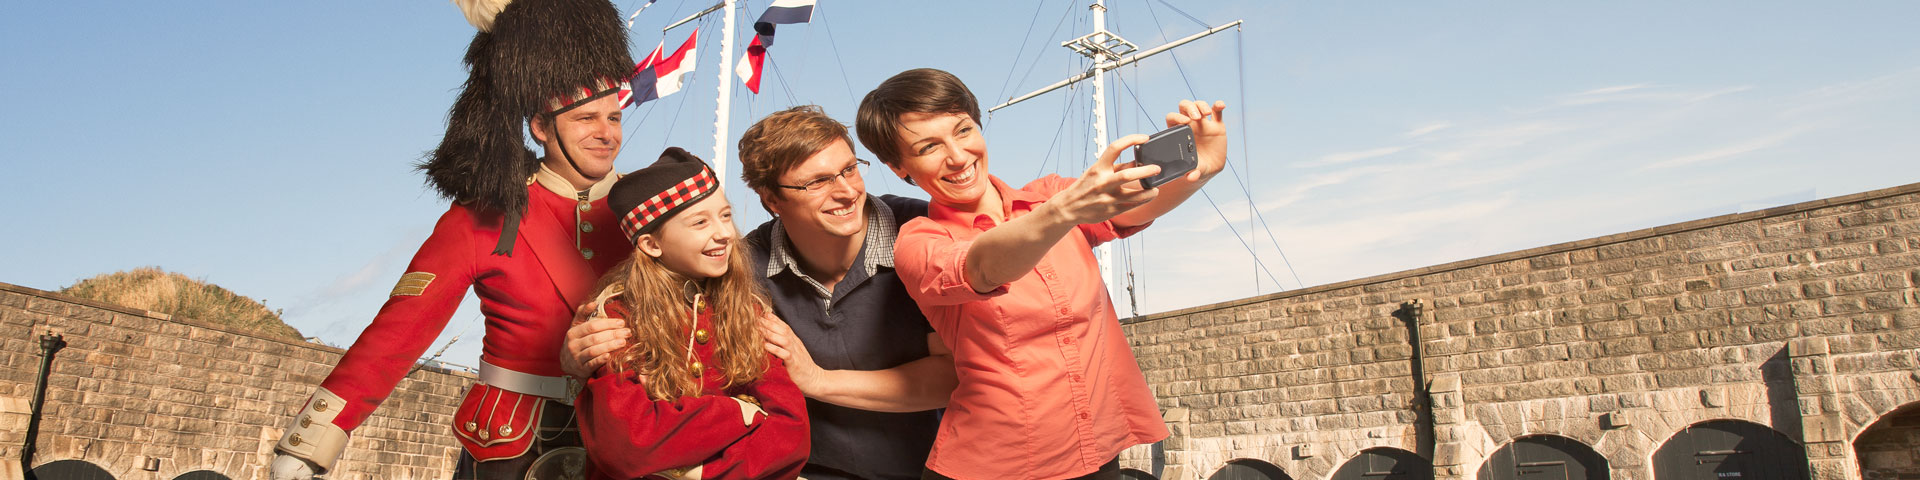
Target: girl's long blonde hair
(660,313)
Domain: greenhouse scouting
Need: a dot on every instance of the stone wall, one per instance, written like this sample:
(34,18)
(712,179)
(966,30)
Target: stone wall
(1804,318)
(134,386)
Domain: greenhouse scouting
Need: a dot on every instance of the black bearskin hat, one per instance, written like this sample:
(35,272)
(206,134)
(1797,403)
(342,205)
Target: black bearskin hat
(527,55)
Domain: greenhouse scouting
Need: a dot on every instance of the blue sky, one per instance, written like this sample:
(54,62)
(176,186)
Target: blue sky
(267,146)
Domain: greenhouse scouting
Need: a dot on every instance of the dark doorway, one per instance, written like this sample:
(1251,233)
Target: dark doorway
(1889,448)
(1544,457)
(202,475)
(1249,469)
(69,470)
(1730,450)
(1131,474)
(1385,464)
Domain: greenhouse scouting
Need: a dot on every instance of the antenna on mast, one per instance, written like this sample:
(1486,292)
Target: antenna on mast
(1108,52)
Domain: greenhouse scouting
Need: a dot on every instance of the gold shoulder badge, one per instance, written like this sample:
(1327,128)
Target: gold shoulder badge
(412,284)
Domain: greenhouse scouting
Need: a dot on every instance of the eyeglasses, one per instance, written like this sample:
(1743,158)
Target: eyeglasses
(820,184)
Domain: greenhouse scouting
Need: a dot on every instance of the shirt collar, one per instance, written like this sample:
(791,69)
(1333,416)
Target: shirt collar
(881,230)
(559,185)
(1011,200)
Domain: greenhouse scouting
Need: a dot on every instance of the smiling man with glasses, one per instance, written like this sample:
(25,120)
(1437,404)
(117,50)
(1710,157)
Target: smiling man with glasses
(874,372)
(820,185)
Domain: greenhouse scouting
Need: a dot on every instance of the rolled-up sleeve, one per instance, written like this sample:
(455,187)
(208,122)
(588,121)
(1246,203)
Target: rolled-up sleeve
(1095,233)
(1103,232)
(933,265)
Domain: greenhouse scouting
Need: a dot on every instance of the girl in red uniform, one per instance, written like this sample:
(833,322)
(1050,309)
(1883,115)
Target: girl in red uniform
(696,395)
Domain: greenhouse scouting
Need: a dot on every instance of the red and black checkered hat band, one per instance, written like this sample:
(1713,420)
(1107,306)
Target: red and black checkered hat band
(599,88)
(667,203)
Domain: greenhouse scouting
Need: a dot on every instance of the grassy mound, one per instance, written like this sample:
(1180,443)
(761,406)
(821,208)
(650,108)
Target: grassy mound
(152,289)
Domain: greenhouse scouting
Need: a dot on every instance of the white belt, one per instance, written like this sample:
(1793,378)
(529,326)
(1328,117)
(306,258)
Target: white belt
(515,381)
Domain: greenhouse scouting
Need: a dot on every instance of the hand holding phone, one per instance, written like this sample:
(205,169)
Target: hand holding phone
(1172,149)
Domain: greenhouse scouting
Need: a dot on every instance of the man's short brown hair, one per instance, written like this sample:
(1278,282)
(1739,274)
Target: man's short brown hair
(921,90)
(783,139)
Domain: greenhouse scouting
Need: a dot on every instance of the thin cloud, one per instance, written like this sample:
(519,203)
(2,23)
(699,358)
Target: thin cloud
(1349,157)
(1726,152)
(1612,90)
(1319,252)
(1644,93)
(1496,179)
(1893,85)
(1426,129)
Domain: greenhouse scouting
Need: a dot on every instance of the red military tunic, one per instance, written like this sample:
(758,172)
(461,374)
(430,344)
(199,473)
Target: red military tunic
(564,243)
(630,435)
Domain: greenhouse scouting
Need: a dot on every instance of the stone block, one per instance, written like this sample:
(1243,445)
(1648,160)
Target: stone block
(1675,341)
(1681,378)
(1769,295)
(1843,252)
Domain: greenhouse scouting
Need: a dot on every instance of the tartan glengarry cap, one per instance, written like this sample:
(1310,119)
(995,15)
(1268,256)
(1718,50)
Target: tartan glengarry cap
(653,194)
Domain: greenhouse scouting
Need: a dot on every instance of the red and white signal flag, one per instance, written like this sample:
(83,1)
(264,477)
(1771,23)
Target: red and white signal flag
(782,12)
(657,77)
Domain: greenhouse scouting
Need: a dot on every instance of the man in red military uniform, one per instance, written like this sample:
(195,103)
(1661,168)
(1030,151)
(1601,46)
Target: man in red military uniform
(529,234)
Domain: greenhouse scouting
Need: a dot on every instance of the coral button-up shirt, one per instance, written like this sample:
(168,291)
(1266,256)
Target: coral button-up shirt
(1048,384)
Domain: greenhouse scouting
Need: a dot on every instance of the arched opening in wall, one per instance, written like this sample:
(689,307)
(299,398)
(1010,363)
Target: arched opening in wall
(1385,464)
(1542,457)
(1249,469)
(1730,450)
(1889,448)
(202,475)
(69,470)
(1131,474)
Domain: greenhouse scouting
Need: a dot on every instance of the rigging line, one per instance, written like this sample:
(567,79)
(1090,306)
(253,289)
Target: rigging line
(679,8)
(1243,189)
(1133,295)
(1240,181)
(1177,66)
(684,90)
(1240,49)
(636,128)
(1056,32)
(1058,132)
(1184,14)
(802,72)
(784,85)
(780,78)
(835,46)
(1023,50)
(1070,108)
(1236,234)
(1276,247)
(1137,283)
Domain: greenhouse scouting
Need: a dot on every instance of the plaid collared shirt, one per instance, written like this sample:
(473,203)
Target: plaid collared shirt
(881,229)
(868,322)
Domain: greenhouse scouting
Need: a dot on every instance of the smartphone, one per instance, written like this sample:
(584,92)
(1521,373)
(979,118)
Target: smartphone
(1171,149)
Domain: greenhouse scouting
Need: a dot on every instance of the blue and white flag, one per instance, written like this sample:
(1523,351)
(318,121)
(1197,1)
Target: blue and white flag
(782,12)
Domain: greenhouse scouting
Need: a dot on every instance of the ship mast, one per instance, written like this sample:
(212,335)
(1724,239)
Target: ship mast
(719,159)
(1108,52)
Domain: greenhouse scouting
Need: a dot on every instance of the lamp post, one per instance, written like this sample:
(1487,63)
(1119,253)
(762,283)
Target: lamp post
(49,344)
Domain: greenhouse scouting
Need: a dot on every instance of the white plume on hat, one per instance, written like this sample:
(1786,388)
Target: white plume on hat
(480,12)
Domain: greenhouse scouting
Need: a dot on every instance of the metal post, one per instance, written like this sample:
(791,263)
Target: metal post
(1100,134)
(49,343)
(719,161)
(1425,440)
